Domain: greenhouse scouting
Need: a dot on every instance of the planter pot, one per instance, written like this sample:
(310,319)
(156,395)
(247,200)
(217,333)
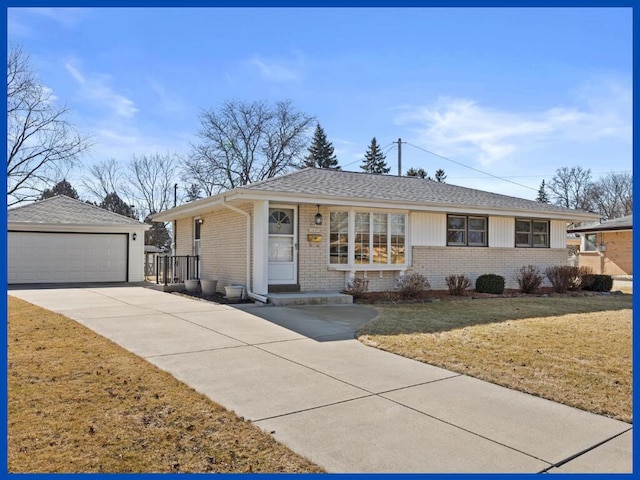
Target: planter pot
(233,292)
(192,285)
(209,286)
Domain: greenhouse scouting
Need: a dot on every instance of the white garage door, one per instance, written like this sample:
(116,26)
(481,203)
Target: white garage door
(66,257)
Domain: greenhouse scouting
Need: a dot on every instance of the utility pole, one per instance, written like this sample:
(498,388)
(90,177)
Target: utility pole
(399,156)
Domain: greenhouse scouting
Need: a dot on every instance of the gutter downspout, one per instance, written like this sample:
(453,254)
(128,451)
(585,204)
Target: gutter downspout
(255,296)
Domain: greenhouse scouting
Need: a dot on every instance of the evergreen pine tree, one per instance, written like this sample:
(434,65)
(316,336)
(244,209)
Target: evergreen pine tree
(321,152)
(440,176)
(374,159)
(61,188)
(542,194)
(420,172)
(114,203)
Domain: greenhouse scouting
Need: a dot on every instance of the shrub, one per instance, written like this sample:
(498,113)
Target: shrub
(597,283)
(457,284)
(565,277)
(490,283)
(529,278)
(412,285)
(357,287)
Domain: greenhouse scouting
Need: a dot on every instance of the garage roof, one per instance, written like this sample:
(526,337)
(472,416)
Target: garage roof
(65,210)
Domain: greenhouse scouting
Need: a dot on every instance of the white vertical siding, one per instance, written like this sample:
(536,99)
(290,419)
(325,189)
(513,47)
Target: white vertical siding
(558,234)
(502,232)
(428,229)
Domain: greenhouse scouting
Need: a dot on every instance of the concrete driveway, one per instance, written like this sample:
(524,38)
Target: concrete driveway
(297,373)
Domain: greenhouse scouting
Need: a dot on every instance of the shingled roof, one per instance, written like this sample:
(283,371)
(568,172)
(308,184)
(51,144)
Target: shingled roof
(622,223)
(61,209)
(334,183)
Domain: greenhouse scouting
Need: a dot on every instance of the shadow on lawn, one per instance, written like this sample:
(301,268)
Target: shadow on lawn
(444,315)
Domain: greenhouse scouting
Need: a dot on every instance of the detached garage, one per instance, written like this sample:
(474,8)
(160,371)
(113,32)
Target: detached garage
(62,240)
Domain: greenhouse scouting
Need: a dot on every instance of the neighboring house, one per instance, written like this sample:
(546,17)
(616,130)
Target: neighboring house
(607,247)
(60,240)
(316,229)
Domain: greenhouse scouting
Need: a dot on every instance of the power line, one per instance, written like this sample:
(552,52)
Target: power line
(390,145)
(471,168)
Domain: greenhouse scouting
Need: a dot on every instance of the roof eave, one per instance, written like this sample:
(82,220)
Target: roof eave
(75,227)
(202,206)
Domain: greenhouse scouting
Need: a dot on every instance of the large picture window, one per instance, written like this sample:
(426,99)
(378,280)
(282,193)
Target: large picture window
(466,231)
(532,233)
(378,238)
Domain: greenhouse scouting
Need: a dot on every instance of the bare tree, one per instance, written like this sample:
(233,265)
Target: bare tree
(104,178)
(151,181)
(40,141)
(244,143)
(612,195)
(571,188)
(151,185)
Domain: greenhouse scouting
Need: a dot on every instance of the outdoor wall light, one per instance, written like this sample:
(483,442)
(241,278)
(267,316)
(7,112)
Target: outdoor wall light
(318,216)
(200,221)
(134,236)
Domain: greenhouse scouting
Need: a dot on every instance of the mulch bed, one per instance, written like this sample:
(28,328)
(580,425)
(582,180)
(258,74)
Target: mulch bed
(444,295)
(429,296)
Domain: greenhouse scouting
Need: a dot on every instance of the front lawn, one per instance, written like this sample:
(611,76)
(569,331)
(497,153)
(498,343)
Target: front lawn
(77,402)
(573,350)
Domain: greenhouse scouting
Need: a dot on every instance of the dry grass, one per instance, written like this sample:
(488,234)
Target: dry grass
(79,403)
(573,350)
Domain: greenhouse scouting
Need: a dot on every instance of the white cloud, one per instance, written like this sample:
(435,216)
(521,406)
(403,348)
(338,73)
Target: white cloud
(279,70)
(67,17)
(96,89)
(465,128)
(166,102)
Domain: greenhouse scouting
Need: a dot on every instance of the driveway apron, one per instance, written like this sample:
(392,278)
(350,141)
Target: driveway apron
(299,374)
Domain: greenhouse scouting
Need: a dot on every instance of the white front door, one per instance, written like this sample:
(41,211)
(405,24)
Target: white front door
(283,246)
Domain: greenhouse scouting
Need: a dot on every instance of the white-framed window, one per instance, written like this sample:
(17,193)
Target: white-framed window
(532,233)
(590,242)
(339,238)
(466,231)
(197,228)
(367,239)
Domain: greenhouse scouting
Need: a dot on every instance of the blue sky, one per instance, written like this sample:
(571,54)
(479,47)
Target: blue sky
(514,92)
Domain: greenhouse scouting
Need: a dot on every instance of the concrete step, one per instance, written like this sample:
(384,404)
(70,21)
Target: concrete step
(309,298)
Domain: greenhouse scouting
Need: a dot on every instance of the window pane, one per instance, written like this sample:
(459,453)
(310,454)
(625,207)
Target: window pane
(455,237)
(456,223)
(522,239)
(590,242)
(281,249)
(476,238)
(523,226)
(281,221)
(397,224)
(197,227)
(362,243)
(477,223)
(380,238)
(397,238)
(540,240)
(339,237)
(540,227)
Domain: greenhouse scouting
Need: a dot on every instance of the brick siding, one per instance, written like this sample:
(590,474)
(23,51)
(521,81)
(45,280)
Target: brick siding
(223,247)
(616,260)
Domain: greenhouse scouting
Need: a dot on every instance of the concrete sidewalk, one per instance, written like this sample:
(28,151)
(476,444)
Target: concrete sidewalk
(297,373)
